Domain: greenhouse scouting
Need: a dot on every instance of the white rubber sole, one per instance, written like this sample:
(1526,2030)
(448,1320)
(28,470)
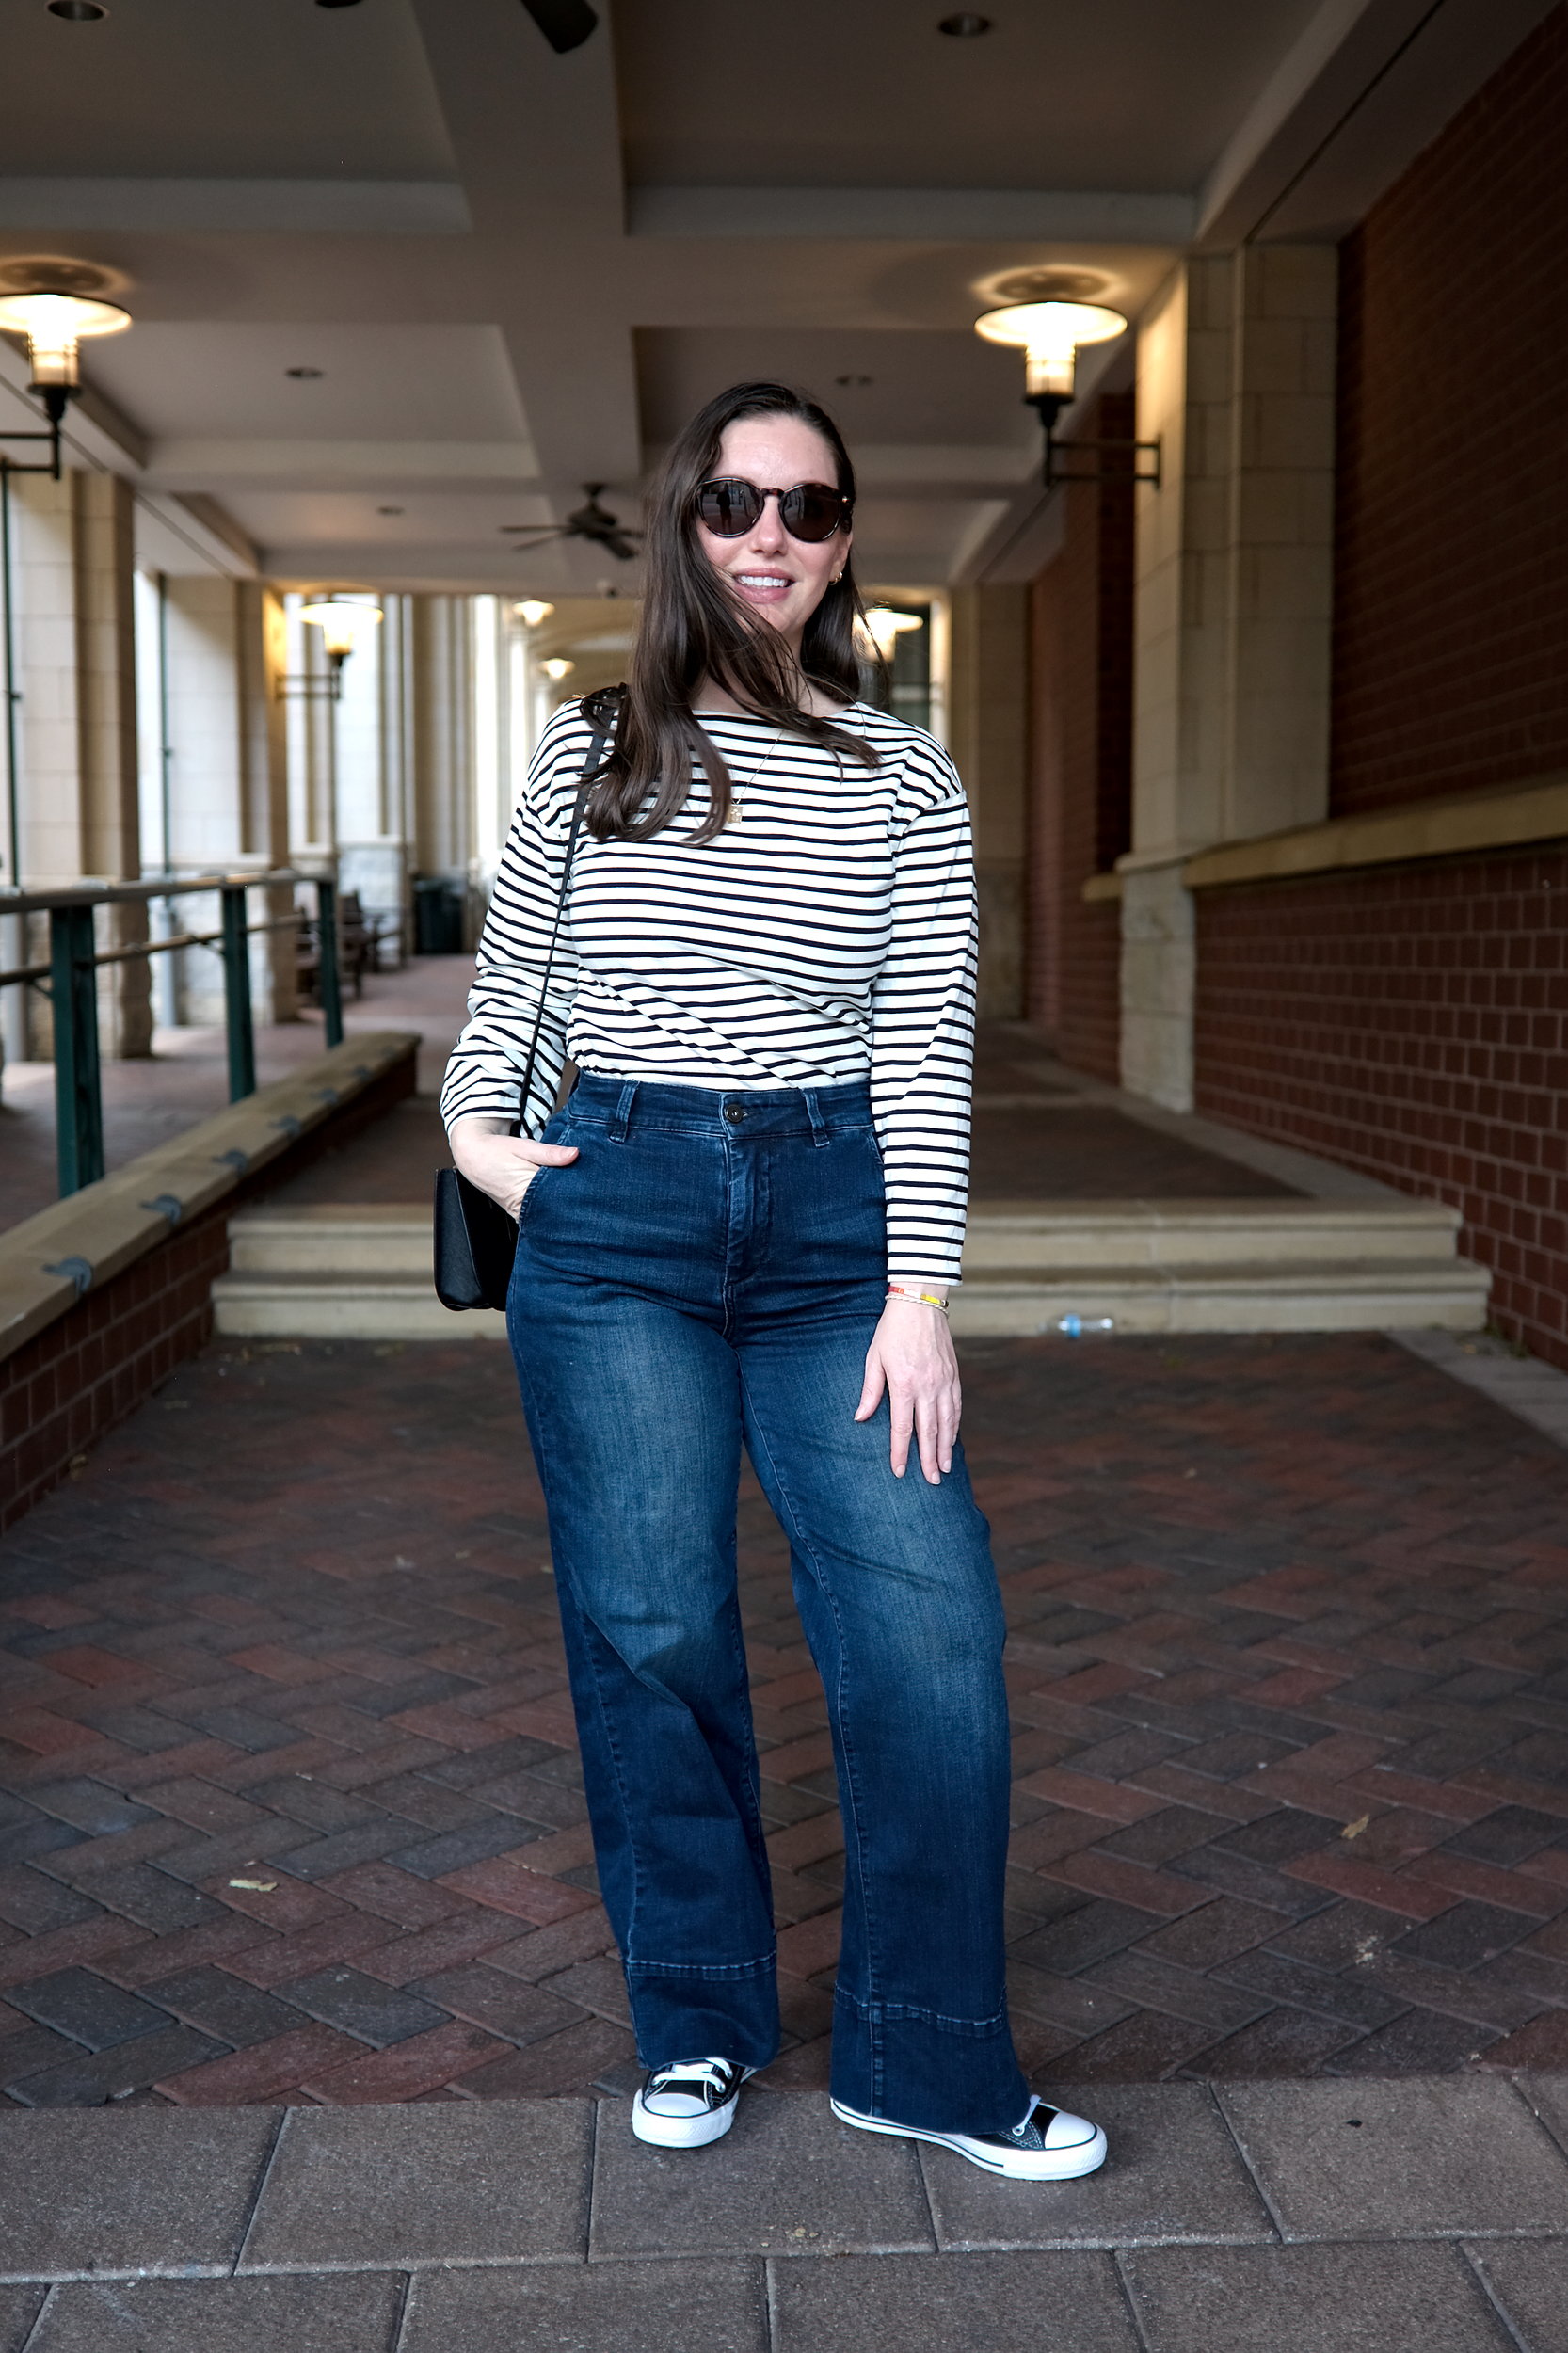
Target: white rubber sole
(684,2132)
(1028,2165)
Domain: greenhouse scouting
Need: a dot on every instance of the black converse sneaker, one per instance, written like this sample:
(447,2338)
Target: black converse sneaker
(687,2106)
(1051,2145)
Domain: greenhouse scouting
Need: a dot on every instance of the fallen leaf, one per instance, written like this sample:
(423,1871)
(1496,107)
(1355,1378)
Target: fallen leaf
(1353,1830)
(256,1887)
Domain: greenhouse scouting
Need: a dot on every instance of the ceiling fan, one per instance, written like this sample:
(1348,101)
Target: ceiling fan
(590,522)
(565,24)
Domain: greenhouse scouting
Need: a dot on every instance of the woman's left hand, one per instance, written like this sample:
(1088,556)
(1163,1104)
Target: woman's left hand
(911,1357)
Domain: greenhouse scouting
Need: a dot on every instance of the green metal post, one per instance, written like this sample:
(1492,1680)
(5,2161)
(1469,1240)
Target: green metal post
(236,996)
(78,1091)
(329,980)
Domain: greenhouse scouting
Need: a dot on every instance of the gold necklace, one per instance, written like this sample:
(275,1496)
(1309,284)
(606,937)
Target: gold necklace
(737,814)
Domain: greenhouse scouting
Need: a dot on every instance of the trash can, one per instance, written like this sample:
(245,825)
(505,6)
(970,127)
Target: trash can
(437,917)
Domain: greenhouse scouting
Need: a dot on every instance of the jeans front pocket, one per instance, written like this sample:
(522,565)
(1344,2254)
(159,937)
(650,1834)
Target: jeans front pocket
(556,1130)
(530,1188)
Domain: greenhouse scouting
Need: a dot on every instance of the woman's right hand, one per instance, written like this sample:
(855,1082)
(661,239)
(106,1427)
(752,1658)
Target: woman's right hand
(500,1165)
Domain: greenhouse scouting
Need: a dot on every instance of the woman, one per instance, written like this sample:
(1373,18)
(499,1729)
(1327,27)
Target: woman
(740,1231)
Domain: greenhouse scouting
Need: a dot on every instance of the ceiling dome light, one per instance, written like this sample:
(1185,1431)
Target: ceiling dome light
(1050,334)
(966,25)
(78,12)
(532,611)
(53,325)
(557,666)
(341,625)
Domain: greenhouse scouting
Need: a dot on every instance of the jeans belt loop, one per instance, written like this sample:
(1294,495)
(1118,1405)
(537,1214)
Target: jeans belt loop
(623,1118)
(814,1113)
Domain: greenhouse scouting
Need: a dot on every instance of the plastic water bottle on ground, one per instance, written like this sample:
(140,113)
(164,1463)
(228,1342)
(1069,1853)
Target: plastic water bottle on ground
(1074,1327)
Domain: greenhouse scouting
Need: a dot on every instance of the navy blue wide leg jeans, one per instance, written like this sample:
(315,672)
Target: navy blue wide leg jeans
(708,1275)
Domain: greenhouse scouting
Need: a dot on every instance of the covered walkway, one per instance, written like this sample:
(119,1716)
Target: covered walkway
(310,2030)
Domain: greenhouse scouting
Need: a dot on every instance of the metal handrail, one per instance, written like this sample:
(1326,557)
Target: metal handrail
(89,893)
(70,977)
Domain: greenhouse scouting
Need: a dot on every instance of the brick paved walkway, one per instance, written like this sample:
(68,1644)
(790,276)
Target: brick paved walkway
(289,1804)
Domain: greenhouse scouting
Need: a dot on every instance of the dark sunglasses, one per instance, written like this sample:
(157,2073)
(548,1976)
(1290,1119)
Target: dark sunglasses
(729,507)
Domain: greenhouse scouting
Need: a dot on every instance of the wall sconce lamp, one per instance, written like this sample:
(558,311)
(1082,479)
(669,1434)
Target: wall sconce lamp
(557,666)
(532,611)
(53,325)
(1051,334)
(342,625)
(885,625)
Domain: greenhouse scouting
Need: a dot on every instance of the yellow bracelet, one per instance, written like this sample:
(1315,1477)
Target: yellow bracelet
(923,1299)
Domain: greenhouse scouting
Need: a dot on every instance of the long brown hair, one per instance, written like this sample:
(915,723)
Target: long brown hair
(694,627)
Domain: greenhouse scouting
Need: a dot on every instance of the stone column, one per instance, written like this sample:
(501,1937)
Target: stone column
(76,738)
(442,666)
(1233,606)
(224,648)
(261,649)
(987,733)
(370,760)
(313,742)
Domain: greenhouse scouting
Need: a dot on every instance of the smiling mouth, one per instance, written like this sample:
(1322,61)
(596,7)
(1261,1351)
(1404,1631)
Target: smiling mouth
(764,580)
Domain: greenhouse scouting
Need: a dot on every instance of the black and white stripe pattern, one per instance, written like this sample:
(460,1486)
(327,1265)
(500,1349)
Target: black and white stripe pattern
(829,934)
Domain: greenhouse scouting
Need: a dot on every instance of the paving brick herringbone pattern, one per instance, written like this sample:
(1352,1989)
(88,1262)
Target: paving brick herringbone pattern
(290,1804)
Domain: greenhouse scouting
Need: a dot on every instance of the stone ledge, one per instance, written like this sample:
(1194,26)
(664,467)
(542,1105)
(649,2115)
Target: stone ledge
(51,1261)
(1452,827)
(1424,829)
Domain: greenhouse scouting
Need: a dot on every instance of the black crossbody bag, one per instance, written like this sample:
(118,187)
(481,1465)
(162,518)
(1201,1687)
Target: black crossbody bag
(475,1240)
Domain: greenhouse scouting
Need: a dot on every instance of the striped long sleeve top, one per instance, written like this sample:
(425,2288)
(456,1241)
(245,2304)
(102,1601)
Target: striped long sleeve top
(826,935)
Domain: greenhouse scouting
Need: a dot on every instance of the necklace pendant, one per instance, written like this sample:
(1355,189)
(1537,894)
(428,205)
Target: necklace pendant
(735,813)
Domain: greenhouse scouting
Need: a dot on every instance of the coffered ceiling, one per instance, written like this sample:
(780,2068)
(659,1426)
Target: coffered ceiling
(511,272)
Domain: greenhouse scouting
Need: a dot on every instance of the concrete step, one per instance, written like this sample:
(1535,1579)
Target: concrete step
(1357,1295)
(394,1238)
(380,1238)
(362,1307)
(1113,1234)
(362,1270)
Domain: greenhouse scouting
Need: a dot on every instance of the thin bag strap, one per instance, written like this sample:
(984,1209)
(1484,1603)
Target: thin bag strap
(601,728)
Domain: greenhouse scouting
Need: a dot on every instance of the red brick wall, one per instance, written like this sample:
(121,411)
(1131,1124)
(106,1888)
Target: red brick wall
(1412,1022)
(83,1373)
(102,1359)
(1080,800)
(1452,596)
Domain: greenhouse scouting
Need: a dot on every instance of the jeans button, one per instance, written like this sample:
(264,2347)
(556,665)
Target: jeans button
(734,1113)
